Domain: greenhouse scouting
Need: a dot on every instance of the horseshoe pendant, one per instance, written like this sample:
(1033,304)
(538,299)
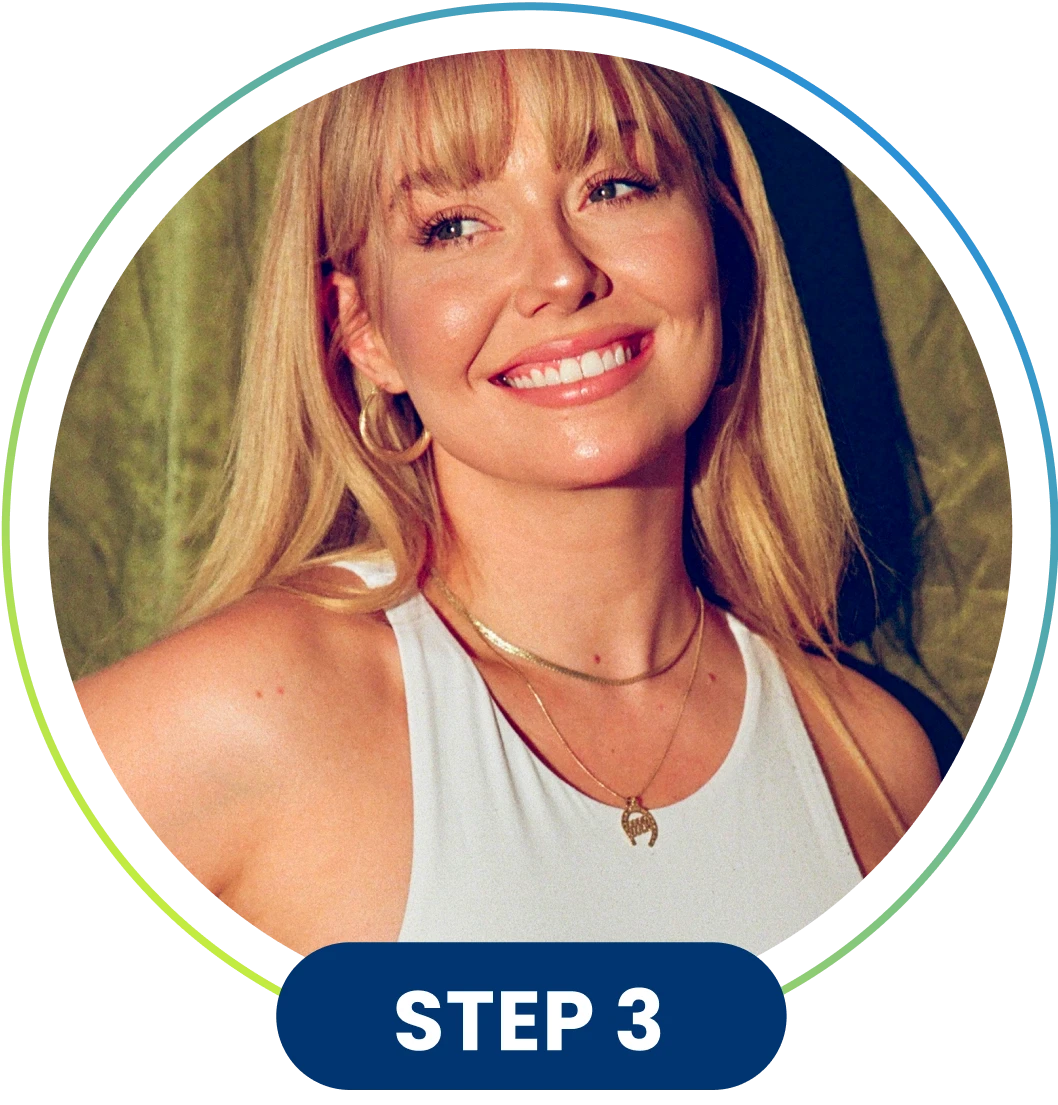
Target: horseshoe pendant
(637,820)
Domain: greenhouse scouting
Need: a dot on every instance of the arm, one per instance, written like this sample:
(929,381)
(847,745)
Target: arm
(227,734)
(188,732)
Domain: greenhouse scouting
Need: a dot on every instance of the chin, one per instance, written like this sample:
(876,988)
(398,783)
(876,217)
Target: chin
(613,464)
(622,455)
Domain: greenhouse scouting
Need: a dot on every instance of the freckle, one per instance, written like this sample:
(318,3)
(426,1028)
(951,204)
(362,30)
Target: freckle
(260,694)
(279,690)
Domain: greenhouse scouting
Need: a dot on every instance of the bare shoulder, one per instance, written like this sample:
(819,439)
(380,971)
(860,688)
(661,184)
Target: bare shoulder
(207,729)
(255,658)
(891,740)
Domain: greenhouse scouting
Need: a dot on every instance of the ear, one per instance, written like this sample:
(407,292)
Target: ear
(360,339)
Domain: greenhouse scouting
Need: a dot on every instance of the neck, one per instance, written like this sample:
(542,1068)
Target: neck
(592,578)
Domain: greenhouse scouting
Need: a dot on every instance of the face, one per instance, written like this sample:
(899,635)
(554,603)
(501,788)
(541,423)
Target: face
(553,327)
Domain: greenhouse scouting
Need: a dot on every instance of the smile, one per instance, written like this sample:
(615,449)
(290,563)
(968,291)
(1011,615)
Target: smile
(568,370)
(573,371)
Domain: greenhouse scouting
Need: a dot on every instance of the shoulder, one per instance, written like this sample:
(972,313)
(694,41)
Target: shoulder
(890,737)
(875,804)
(892,742)
(206,729)
(253,659)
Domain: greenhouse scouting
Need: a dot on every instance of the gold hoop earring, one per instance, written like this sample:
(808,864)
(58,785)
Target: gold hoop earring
(369,436)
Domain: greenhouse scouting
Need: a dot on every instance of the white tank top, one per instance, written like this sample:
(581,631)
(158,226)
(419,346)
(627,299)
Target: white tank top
(504,849)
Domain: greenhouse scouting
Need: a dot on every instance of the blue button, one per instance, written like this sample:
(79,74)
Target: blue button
(531,1016)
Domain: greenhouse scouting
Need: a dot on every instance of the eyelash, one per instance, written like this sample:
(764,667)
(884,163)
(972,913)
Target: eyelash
(646,186)
(426,232)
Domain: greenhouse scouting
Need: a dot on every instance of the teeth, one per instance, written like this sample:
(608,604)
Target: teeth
(569,370)
(572,369)
(591,364)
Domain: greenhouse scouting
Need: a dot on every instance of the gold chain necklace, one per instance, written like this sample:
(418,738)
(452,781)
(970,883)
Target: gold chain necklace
(636,819)
(497,642)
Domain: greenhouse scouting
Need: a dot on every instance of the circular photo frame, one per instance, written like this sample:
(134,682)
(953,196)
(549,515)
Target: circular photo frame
(884,168)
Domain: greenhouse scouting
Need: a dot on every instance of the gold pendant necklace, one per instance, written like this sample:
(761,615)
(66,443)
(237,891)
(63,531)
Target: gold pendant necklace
(636,819)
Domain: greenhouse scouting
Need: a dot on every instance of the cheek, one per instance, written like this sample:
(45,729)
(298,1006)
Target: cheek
(674,266)
(677,271)
(688,281)
(436,326)
(455,316)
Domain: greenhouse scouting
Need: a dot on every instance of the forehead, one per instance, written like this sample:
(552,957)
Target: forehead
(528,150)
(453,122)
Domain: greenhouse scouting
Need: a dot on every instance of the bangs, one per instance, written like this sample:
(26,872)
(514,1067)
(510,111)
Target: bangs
(457,115)
(448,124)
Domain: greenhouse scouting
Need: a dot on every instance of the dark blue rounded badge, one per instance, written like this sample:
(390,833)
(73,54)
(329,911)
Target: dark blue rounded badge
(531,1016)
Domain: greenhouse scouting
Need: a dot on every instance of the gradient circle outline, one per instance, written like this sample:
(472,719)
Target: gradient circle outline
(583,9)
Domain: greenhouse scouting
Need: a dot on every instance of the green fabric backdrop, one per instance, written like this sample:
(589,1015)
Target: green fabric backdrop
(145,430)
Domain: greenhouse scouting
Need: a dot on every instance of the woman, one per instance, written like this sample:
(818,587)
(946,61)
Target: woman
(533,523)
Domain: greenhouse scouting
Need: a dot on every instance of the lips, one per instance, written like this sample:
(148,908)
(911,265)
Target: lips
(571,369)
(583,356)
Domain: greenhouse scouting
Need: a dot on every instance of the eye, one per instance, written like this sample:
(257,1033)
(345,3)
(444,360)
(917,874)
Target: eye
(612,190)
(451,228)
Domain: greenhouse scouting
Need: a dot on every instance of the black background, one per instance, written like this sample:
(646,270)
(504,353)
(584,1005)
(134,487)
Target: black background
(114,999)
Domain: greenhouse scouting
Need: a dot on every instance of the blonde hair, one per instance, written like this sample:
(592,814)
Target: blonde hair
(768,518)
(768,525)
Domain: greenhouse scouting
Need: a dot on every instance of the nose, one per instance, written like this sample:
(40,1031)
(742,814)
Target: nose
(558,273)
